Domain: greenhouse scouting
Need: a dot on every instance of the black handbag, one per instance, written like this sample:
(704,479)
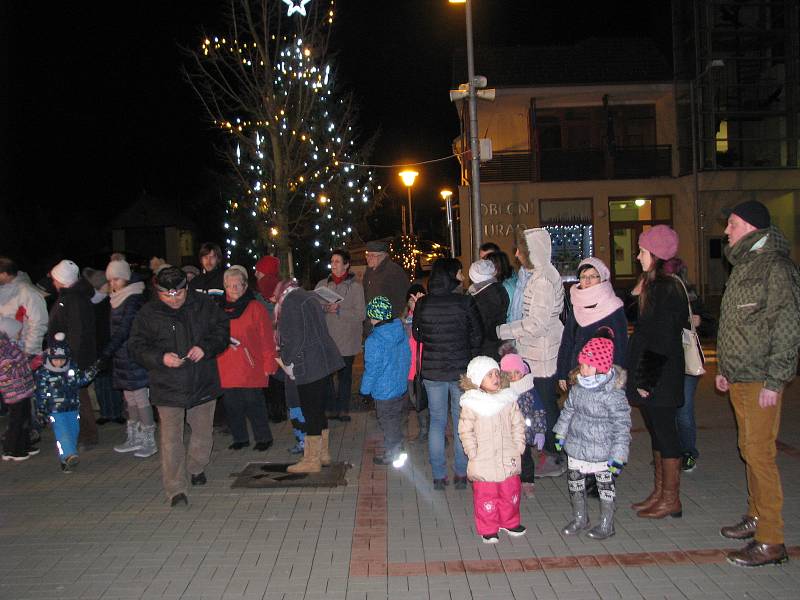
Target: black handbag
(420,393)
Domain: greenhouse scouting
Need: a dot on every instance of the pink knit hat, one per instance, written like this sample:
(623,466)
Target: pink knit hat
(661,241)
(598,353)
(598,265)
(513,362)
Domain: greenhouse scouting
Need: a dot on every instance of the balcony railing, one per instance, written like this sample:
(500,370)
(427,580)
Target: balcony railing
(627,162)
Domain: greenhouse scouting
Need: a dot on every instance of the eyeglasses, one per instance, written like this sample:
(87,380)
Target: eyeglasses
(589,277)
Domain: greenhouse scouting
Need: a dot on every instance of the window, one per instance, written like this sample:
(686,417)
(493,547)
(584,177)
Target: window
(569,222)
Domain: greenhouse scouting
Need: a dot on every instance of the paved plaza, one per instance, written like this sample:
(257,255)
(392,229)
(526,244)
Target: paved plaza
(106,532)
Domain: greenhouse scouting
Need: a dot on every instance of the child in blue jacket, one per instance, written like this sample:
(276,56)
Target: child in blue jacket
(57,386)
(387,358)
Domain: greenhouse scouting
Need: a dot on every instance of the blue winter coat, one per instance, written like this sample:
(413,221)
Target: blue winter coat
(387,359)
(575,337)
(127,374)
(57,391)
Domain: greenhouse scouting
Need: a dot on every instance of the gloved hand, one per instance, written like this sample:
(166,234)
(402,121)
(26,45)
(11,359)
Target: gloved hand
(615,466)
(559,443)
(538,441)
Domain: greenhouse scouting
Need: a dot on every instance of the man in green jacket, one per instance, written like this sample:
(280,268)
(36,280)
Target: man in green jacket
(759,334)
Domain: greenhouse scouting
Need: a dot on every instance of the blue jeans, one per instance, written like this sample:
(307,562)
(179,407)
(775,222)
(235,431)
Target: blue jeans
(439,392)
(66,426)
(687,428)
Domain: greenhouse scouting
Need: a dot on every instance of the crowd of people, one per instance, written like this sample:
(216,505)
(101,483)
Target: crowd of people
(479,364)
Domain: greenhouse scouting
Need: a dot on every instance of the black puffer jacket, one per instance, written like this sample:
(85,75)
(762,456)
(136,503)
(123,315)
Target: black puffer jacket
(73,313)
(158,329)
(449,326)
(127,374)
(655,350)
(492,302)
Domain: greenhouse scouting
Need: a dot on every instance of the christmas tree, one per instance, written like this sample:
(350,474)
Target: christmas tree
(290,140)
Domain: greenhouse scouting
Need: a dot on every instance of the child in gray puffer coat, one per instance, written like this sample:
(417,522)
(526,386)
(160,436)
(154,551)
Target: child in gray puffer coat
(595,430)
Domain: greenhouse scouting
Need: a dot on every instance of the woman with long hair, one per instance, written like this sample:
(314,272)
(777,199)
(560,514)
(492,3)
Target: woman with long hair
(656,367)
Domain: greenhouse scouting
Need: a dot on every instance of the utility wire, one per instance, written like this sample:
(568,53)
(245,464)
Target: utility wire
(416,164)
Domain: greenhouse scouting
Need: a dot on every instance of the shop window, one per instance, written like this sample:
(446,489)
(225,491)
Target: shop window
(569,222)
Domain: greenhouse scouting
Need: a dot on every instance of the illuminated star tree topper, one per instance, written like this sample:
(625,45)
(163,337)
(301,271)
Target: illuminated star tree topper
(296,8)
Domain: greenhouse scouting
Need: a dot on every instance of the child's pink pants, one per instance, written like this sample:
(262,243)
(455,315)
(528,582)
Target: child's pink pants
(496,504)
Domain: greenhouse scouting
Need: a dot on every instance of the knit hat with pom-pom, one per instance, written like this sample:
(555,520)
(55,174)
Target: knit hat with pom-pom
(598,353)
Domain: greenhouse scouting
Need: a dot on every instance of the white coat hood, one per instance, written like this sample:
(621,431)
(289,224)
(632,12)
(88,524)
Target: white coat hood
(539,246)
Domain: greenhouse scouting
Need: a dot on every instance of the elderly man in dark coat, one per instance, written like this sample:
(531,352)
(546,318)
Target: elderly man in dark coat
(384,277)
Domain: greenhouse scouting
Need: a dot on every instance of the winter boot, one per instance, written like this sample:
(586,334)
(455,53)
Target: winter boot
(605,489)
(577,497)
(148,445)
(134,441)
(655,495)
(324,452)
(424,423)
(669,504)
(310,462)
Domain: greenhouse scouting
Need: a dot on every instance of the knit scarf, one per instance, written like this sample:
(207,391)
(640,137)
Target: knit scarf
(117,298)
(234,309)
(476,288)
(593,303)
(339,280)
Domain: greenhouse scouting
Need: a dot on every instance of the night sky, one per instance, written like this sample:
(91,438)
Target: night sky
(96,109)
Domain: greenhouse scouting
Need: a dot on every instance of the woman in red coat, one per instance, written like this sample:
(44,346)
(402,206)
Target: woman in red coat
(245,367)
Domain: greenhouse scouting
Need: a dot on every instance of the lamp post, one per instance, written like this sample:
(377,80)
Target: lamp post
(714,64)
(475,180)
(447,196)
(408,178)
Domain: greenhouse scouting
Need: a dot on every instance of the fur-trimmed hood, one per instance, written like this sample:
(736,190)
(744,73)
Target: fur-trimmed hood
(488,404)
(618,381)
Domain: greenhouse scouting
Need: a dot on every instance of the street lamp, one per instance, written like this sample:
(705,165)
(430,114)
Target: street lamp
(408,178)
(717,63)
(475,181)
(447,196)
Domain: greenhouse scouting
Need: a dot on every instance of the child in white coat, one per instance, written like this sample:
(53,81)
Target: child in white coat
(492,432)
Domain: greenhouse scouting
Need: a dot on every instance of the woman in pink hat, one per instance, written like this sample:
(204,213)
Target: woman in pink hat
(656,367)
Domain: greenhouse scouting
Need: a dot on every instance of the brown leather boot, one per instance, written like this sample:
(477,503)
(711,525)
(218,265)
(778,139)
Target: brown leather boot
(310,462)
(743,530)
(655,495)
(324,452)
(670,502)
(756,554)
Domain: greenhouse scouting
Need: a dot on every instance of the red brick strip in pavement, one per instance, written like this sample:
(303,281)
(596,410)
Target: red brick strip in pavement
(369,551)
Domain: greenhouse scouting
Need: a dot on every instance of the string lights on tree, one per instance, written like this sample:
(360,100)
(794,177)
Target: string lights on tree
(290,135)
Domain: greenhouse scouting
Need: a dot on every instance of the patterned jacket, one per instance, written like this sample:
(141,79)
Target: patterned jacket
(57,391)
(759,325)
(16,379)
(532,407)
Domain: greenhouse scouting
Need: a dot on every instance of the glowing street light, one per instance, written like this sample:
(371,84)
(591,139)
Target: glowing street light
(447,195)
(408,177)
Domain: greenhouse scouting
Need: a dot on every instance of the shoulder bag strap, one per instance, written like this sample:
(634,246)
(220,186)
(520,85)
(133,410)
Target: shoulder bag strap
(688,302)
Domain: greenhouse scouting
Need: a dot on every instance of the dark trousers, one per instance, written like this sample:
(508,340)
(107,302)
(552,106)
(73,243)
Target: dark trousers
(528,465)
(546,388)
(312,402)
(390,418)
(243,404)
(663,428)
(88,431)
(276,400)
(338,402)
(18,436)
(109,399)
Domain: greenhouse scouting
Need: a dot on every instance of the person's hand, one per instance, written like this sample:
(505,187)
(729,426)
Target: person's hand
(559,442)
(289,370)
(195,354)
(562,383)
(696,320)
(615,466)
(172,360)
(643,393)
(330,307)
(721,383)
(767,398)
(538,441)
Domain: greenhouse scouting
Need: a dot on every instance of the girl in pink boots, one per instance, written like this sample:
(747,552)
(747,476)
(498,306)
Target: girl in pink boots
(492,431)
